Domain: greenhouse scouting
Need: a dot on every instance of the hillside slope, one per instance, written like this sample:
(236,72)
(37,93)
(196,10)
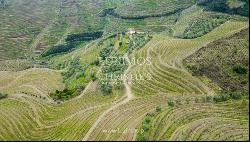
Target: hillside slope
(124,70)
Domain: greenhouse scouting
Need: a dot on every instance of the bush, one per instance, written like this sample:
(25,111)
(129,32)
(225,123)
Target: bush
(105,52)
(171,103)
(221,97)
(96,62)
(236,95)
(80,87)
(158,109)
(224,96)
(93,76)
(147,120)
(207,99)
(240,69)
(106,87)
(3,3)
(2,96)
(65,94)
(145,128)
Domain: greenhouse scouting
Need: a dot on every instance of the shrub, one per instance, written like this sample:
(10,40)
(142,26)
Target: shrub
(147,120)
(105,52)
(3,3)
(93,76)
(2,96)
(65,94)
(225,96)
(171,103)
(80,87)
(221,97)
(158,109)
(207,99)
(145,128)
(106,87)
(96,62)
(236,95)
(240,69)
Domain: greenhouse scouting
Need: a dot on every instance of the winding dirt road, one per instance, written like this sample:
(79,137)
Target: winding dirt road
(129,96)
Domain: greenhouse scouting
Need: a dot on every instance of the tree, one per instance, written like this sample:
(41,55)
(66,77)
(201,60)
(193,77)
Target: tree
(106,87)
(3,3)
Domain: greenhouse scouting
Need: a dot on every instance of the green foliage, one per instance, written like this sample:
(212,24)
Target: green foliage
(58,49)
(2,96)
(221,97)
(96,62)
(93,76)
(3,3)
(106,12)
(223,62)
(72,41)
(225,96)
(240,69)
(132,10)
(80,87)
(105,52)
(75,73)
(196,70)
(66,94)
(158,109)
(83,36)
(236,95)
(144,129)
(138,41)
(204,25)
(115,67)
(114,64)
(223,6)
(112,69)
(147,120)
(139,17)
(105,86)
(171,103)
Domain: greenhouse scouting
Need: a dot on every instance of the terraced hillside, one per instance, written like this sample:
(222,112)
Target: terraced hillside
(197,122)
(232,65)
(21,22)
(124,70)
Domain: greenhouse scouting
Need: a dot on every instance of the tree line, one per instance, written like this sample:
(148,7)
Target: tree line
(111,11)
(222,6)
(71,42)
